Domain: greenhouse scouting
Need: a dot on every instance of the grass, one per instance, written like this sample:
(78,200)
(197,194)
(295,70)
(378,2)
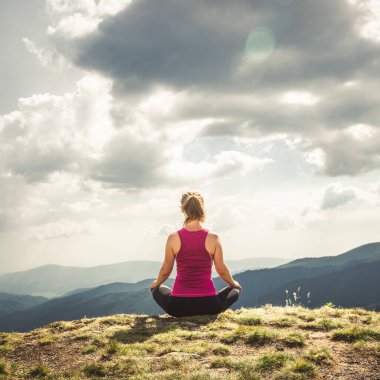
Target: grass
(94,369)
(245,344)
(112,347)
(261,337)
(320,356)
(270,362)
(250,320)
(323,324)
(88,350)
(284,322)
(221,349)
(294,339)
(38,370)
(3,368)
(303,366)
(353,334)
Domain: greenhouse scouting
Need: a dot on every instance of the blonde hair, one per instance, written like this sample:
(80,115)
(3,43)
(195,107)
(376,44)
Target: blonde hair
(192,204)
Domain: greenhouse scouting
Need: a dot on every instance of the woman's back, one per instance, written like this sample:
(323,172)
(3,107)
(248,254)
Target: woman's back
(194,266)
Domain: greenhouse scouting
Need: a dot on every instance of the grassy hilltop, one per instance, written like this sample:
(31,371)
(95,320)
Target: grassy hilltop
(248,343)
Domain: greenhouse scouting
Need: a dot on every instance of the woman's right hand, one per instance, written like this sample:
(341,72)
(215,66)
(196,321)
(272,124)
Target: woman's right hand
(238,286)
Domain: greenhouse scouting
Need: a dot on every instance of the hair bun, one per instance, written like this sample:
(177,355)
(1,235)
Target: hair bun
(194,210)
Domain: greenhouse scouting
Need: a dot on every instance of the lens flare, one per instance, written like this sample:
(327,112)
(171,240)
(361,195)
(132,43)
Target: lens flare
(260,44)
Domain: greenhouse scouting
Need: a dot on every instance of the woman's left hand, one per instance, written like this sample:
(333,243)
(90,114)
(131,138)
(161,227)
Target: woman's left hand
(154,284)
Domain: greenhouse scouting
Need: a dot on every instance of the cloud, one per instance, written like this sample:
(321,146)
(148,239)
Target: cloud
(336,196)
(130,162)
(76,18)
(226,163)
(351,151)
(274,72)
(138,47)
(62,229)
(50,133)
(13,192)
(283,222)
(48,57)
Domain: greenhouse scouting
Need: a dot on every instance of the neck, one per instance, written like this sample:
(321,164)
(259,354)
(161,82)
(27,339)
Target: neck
(194,224)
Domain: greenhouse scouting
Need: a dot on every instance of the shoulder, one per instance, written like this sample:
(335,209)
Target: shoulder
(173,236)
(213,235)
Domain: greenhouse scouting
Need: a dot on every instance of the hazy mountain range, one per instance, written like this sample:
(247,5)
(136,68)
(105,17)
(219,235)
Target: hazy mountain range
(56,280)
(13,302)
(350,279)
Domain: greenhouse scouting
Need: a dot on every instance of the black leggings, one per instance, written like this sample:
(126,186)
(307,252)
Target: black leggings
(187,306)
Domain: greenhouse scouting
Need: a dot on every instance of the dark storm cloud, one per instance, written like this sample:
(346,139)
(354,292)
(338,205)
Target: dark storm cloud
(197,47)
(195,44)
(164,41)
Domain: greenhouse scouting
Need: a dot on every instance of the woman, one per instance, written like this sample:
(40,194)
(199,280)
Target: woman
(194,248)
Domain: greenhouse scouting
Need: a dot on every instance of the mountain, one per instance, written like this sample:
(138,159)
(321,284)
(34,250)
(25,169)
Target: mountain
(364,253)
(349,279)
(65,279)
(237,266)
(15,302)
(261,343)
(353,286)
(115,298)
(260,285)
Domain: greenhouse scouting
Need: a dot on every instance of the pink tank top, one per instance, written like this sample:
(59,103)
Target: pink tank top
(194,266)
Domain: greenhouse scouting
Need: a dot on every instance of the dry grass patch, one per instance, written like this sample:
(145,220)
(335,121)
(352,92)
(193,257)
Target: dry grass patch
(323,324)
(246,344)
(261,336)
(294,339)
(299,369)
(354,334)
(283,322)
(319,356)
(272,361)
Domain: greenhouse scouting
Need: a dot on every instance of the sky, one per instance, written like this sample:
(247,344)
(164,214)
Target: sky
(111,109)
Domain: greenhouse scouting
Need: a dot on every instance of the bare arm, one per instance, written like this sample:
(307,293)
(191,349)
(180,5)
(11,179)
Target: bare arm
(167,265)
(220,266)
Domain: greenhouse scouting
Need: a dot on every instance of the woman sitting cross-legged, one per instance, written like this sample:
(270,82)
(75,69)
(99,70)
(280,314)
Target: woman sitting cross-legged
(194,248)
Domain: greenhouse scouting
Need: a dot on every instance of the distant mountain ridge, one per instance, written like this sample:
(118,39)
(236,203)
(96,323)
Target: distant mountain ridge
(364,253)
(262,283)
(64,279)
(113,298)
(351,286)
(14,302)
(349,279)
